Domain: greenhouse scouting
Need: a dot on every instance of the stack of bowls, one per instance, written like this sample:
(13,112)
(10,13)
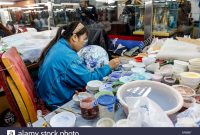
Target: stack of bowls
(190,79)
(187,94)
(194,65)
(181,65)
(93,86)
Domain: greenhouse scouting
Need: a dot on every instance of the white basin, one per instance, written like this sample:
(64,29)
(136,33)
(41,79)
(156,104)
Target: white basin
(168,98)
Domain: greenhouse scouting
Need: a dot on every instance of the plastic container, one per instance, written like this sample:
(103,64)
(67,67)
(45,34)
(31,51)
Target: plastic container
(81,95)
(160,94)
(106,105)
(88,109)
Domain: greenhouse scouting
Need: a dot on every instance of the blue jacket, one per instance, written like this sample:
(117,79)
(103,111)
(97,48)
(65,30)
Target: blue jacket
(62,72)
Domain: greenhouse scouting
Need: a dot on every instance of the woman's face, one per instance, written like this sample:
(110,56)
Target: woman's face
(79,42)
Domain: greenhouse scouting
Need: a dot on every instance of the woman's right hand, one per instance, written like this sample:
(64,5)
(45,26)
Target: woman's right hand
(114,63)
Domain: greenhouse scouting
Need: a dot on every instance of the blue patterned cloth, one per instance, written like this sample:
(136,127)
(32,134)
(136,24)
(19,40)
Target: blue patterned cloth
(62,72)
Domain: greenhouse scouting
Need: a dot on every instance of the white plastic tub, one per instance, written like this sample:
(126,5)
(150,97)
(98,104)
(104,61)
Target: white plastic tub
(169,99)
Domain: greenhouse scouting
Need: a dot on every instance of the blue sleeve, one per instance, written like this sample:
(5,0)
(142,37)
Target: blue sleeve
(78,75)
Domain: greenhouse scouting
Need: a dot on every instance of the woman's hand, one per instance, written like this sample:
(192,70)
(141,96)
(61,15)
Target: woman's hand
(114,63)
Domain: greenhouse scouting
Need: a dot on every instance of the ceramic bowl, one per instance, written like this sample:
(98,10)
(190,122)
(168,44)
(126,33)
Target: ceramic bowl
(169,80)
(153,67)
(105,122)
(132,62)
(63,119)
(190,77)
(189,84)
(160,94)
(104,92)
(191,69)
(125,79)
(86,126)
(124,60)
(140,65)
(197,97)
(122,123)
(167,70)
(138,70)
(181,65)
(195,61)
(184,90)
(194,67)
(106,87)
(94,85)
(127,67)
(148,60)
(114,76)
(157,77)
(189,101)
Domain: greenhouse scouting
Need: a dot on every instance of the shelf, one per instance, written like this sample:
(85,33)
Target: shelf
(158,33)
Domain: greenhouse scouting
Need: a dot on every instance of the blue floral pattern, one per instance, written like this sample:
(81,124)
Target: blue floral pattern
(93,56)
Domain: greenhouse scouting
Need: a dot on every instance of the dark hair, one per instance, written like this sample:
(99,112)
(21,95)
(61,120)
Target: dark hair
(6,32)
(13,27)
(66,34)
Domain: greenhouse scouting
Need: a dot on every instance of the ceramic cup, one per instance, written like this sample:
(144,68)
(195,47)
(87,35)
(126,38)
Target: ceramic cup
(105,122)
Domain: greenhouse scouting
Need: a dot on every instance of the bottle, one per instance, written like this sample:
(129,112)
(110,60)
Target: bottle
(29,124)
(39,114)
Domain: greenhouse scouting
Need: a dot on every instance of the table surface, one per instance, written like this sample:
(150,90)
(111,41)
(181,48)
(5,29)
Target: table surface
(29,44)
(80,121)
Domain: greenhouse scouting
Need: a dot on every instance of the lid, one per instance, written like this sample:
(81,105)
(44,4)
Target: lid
(106,100)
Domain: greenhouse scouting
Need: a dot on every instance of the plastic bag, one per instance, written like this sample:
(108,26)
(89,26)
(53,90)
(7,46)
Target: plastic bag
(190,117)
(151,115)
(155,46)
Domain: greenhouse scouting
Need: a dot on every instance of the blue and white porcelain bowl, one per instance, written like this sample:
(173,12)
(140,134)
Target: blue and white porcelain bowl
(94,56)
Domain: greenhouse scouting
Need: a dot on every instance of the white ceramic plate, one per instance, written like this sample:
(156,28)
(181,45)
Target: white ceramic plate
(63,119)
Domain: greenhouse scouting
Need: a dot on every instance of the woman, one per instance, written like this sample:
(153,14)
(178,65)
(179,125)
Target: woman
(4,31)
(11,27)
(62,71)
